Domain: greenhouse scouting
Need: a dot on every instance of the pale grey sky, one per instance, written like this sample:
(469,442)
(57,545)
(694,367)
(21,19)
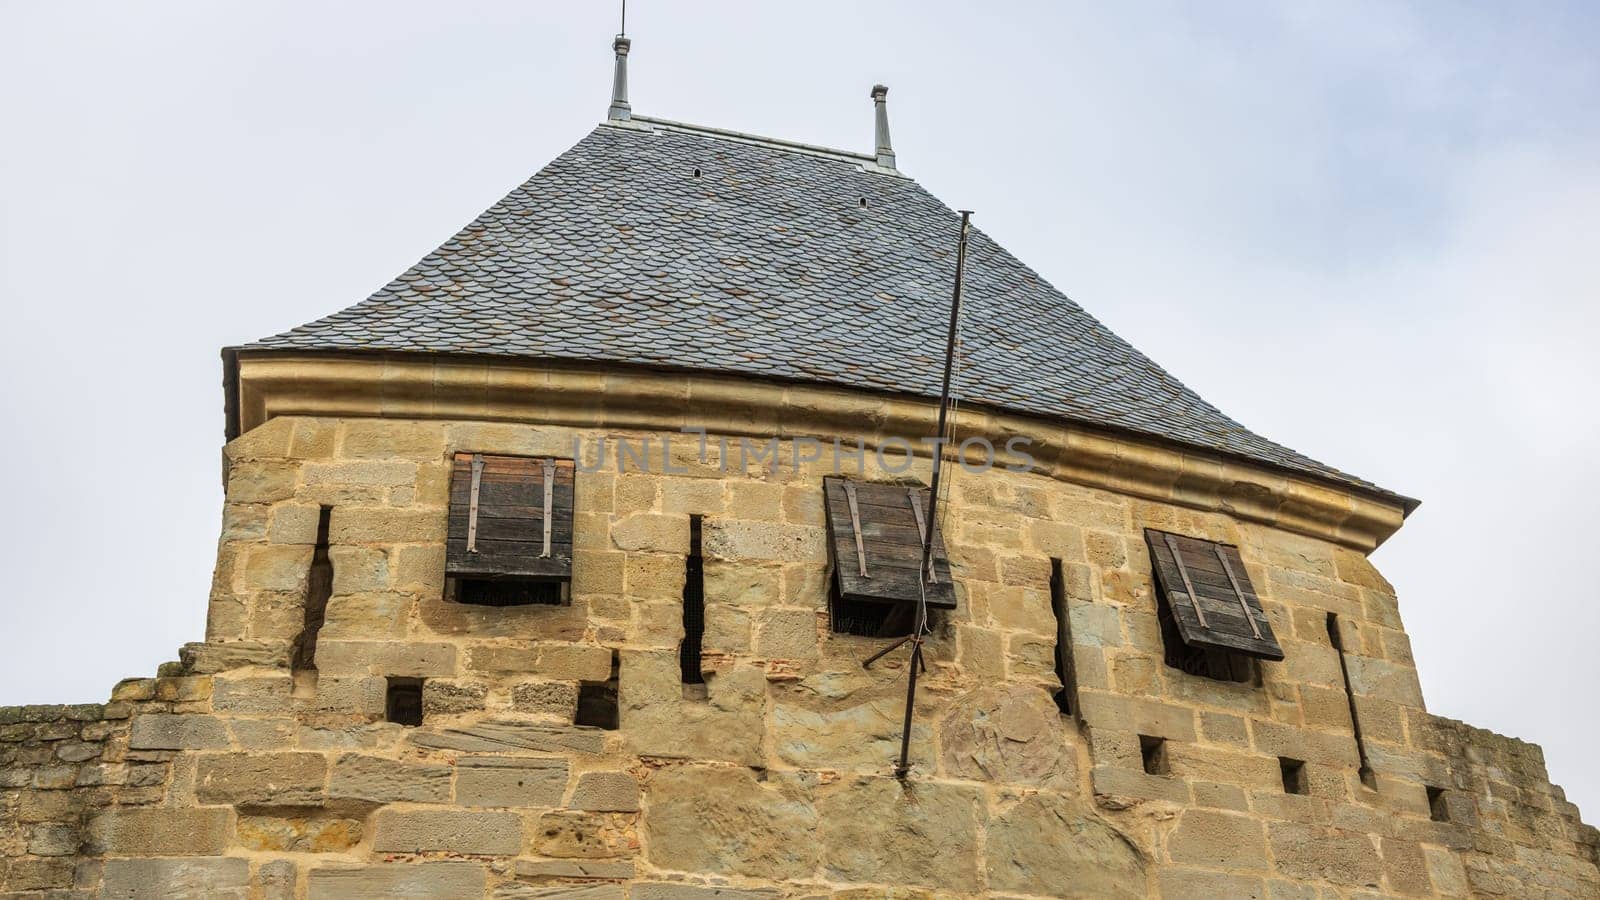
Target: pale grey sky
(1368,231)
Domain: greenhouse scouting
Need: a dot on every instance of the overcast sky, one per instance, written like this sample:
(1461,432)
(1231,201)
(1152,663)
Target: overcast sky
(1370,232)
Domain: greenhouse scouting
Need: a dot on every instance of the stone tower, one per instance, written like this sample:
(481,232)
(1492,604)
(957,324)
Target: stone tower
(549,570)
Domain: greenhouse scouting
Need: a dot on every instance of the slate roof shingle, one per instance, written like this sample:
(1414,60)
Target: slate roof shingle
(768,264)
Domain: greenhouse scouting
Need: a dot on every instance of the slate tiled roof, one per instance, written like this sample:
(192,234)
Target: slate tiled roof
(774,261)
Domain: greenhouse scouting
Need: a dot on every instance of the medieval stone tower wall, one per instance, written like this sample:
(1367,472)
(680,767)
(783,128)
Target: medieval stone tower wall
(232,774)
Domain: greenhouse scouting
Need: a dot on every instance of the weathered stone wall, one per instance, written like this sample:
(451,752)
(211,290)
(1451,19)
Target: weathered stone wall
(58,766)
(243,779)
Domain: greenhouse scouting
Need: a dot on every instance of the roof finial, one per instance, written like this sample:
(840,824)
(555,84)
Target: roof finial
(620,111)
(884,151)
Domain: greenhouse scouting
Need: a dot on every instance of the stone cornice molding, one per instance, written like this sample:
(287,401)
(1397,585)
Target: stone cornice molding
(272,384)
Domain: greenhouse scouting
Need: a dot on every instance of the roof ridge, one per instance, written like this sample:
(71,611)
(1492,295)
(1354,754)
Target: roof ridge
(870,162)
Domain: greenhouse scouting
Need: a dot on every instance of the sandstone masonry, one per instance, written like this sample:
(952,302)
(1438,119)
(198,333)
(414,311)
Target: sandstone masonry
(230,774)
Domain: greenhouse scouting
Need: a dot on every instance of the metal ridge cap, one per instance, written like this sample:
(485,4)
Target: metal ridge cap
(761,140)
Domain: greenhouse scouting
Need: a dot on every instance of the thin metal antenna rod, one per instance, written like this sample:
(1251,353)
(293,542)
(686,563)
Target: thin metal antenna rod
(944,394)
(624,30)
(924,572)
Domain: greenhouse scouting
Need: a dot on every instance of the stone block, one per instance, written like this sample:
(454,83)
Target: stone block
(981,652)
(1321,747)
(502,735)
(209,658)
(582,835)
(769,829)
(368,616)
(294,523)
(367,473)
(378,780)
(389,439)
(606,792)
(262,734)
(783,633)
(53,840)
(741,584)
(1203,763)
(1384,680)
(450,831)
(1096,624)
(557,699)
(386,525)
(277,879)
(728,630)
(1177,883)
(362,695)
(736,539)
(1310,851)
(277,567)
(196,878)
(1405,868)
(574,662)
(398,658)
(1010,734)
(879,829)
(1219,840)
(266,779)
(1137,714)
(359,569)
(545,869)
(1049,839)
(36,875)
(314,831)
(513,890)
(165,731)
(261,481)
(510,781)
(1120,788)
(453,880)
(652,533)
(253,695)
(45,806)
(442,697)
(160,831)
(861,733)
(657,720)
(667,890)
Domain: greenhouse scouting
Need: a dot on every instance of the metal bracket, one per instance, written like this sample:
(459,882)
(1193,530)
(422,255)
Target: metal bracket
(549,495)
(472,510)
(922,531)
(1194,601)
(855,528)
(1244,606)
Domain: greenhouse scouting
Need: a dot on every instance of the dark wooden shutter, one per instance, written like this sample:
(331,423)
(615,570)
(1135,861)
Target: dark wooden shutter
(505,538)
(876,544)
(1209,595)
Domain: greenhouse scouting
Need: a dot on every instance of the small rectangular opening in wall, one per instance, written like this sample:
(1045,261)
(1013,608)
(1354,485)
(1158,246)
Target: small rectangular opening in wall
(694,609)
(403,703)
(319,587)
(1067,696)
(483,592)
(597,700)
(1294,775)
(1153,751)
(1438,809)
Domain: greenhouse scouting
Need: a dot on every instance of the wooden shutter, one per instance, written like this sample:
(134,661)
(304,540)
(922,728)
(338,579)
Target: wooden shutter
(875,543)
(1209,595)
(510,518)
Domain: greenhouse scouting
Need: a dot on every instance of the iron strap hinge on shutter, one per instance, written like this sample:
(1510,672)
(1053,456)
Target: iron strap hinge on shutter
(855,528)
(472,508)
(1244,607)
(922,528)
(1188,586)
(549,499)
